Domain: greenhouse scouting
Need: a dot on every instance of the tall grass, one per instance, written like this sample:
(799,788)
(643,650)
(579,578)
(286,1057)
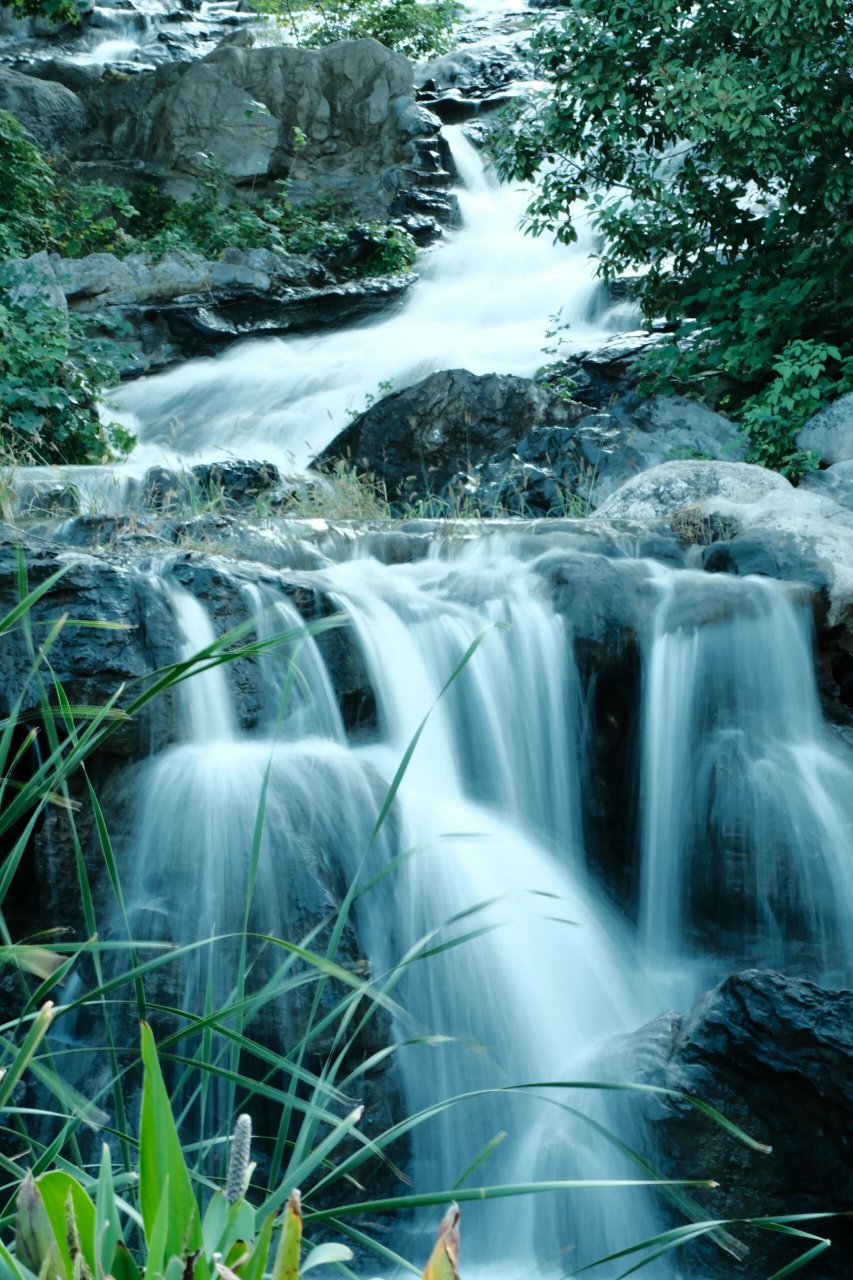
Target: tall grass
(147,1199)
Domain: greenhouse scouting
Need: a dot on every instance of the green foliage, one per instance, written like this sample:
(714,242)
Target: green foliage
(712,145)
(51,375)
(39,209)
(27,186)
(806,374)
(418,29)
(57,12)
(52,369)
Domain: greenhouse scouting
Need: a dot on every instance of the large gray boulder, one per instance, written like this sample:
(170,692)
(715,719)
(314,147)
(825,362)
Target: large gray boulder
(830,432)
(659,493)
(54,115)
(331,120)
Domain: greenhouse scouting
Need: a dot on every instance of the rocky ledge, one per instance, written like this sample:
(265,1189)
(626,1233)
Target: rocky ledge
(774,1055)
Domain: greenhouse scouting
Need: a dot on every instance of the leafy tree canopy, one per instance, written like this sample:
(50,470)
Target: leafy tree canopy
(711,144)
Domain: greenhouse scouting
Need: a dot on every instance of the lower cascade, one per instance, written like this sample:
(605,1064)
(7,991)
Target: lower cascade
(478,897)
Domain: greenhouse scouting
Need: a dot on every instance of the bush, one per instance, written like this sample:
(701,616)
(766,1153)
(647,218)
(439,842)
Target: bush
(51,376)
(712,147)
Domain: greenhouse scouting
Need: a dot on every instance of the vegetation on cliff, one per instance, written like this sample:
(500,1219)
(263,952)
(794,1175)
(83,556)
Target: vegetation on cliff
(53,367)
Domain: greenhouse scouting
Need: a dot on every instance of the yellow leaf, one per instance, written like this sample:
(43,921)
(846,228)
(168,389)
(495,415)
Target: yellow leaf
(289,1246)
(444,1259)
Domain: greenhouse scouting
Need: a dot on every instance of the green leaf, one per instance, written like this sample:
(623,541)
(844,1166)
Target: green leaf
(107,1225)
(161,1158)
(56,1187)
(36,1245)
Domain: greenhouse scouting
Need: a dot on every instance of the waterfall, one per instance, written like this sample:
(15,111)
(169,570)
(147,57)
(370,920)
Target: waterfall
(744,818)
(747,802)
(284,399)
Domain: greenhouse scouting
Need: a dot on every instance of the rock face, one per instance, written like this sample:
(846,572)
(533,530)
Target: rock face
(54,115)
(830,432)
(774,1055)
(185,305)
(332,121)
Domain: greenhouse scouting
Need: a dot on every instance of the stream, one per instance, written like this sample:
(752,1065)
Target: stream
(739,797)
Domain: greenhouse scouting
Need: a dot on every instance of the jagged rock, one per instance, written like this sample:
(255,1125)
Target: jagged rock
(54,115)
(417,440)
(774,1055)
(246,110)
(830,432)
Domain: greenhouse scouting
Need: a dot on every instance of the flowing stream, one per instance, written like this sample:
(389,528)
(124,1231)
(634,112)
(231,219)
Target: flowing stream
(483,302)
(483,860)
(744,801)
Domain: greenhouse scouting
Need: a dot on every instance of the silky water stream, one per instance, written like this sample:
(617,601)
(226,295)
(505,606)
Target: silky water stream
(486,843)
(482,302)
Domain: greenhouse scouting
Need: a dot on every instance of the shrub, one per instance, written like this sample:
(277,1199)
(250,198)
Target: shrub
(51,376)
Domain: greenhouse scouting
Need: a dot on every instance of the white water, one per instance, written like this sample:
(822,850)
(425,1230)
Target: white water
(482,303)
(747,802)
(490,821)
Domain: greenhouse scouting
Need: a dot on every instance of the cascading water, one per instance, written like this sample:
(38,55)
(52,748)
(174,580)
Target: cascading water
(747,802)
(531,970)
(482,302)
(490,811)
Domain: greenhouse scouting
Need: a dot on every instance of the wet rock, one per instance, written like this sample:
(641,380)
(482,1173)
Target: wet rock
(774,1055)
(239,483)
(55,116)
(485,74)
(601,376)
(417,440)
(830,432)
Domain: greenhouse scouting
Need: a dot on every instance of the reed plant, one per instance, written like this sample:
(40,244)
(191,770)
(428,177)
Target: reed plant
(152,1200)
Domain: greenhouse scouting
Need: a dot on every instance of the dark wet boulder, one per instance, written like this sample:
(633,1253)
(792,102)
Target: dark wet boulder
(775,1055)
(418,440)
